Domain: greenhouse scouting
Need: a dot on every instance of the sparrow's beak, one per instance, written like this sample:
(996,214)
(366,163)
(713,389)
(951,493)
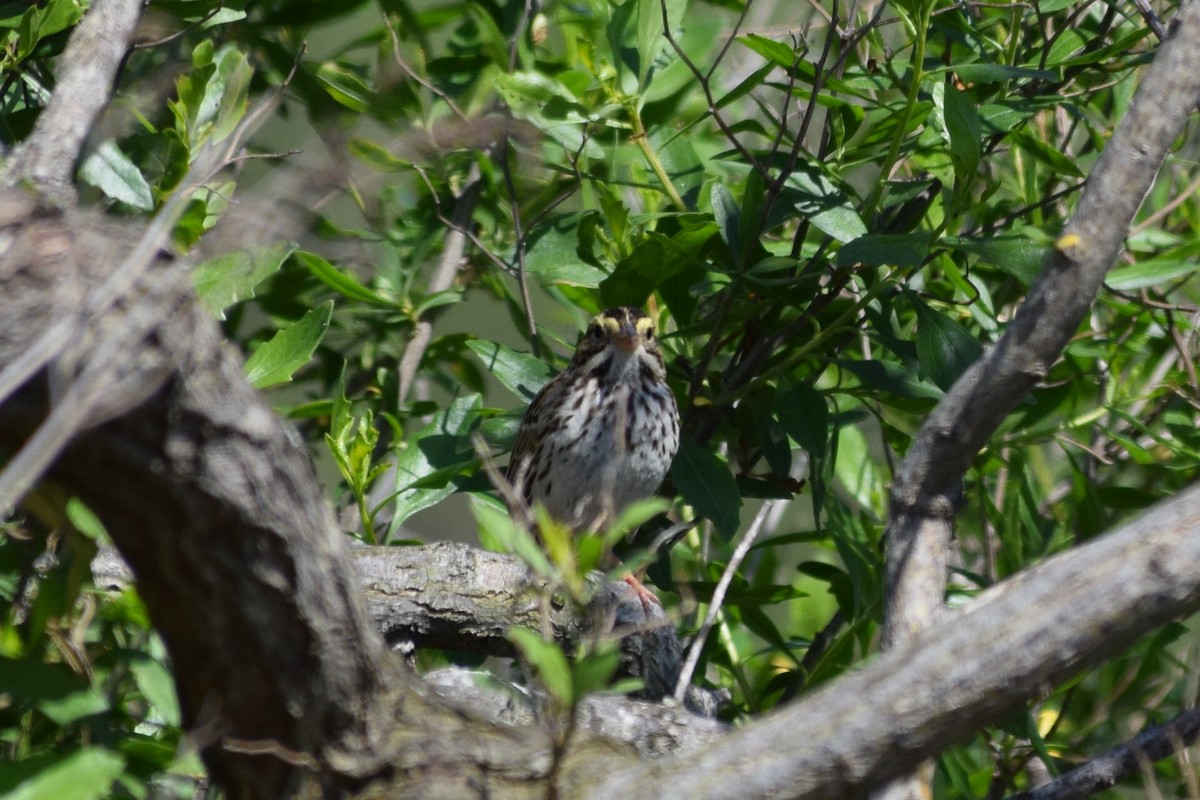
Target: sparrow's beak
(627,338)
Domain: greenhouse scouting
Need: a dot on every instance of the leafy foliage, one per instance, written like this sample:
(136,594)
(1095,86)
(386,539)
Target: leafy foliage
(829,224)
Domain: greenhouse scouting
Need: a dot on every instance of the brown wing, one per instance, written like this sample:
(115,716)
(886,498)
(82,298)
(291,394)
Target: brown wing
(530,432)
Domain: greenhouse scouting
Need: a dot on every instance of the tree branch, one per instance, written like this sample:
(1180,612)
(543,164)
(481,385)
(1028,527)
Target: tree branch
(964,673)
(924,495)
(93,55)
(456,597)
(1105,771)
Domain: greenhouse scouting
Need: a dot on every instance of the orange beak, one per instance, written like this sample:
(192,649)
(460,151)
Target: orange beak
(627,338)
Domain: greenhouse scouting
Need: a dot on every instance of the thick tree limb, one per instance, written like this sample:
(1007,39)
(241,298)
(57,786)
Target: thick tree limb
(93,54)
(1012,644)
(925,491)
(456,597)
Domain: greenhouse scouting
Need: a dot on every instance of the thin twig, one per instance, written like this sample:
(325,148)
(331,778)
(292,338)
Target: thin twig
(441,280)
(746,155)
(1106,770)
(411,73)
(519,246)
(714,606)
(1152,20)
(1158,216)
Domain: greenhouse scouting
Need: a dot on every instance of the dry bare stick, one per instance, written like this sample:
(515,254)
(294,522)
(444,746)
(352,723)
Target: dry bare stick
(441,280)
(718,598)
(924,495)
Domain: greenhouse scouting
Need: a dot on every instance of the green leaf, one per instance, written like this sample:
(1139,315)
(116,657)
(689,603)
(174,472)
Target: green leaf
(995,73)
(1150,272)
(1005,114)
(944,347)
(75,706)
(1044,152)
(593,672)
(1019,256)
(548,661)
(705,483)
(339,281)
(815,196)
(58,15)
(85,520)
(501,533)
(232,277)
(83,774)
(53,689)
(557,252)
(522,374)
(426,463)
(963,131)
(111,171)
(680,160)
(155,683)
(232,82)
(907,250)
(780,54)
(550,106)
(277,359)
(633,516)
(345,86)
(377,157)
(656,260)
(446,297)
(653,49)
(28,33)
(727,215)
(750,219)
(802,412)
(891,378)
(858,473)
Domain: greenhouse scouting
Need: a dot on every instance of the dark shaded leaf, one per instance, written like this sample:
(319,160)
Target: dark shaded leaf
(705,483)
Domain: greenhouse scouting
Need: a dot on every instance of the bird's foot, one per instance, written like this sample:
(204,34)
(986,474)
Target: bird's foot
(645,595)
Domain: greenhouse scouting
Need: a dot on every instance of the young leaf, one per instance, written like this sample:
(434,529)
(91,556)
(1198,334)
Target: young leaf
(548,661)
(521,373)
(277,359)
(232,277)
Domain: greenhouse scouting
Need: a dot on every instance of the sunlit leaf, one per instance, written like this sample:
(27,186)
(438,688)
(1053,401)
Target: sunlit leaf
(112,172)
(232,277)
(521,373)
(277,359)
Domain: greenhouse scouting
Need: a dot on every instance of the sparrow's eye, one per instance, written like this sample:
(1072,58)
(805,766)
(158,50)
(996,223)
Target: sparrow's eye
(594,333)
(649,334)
